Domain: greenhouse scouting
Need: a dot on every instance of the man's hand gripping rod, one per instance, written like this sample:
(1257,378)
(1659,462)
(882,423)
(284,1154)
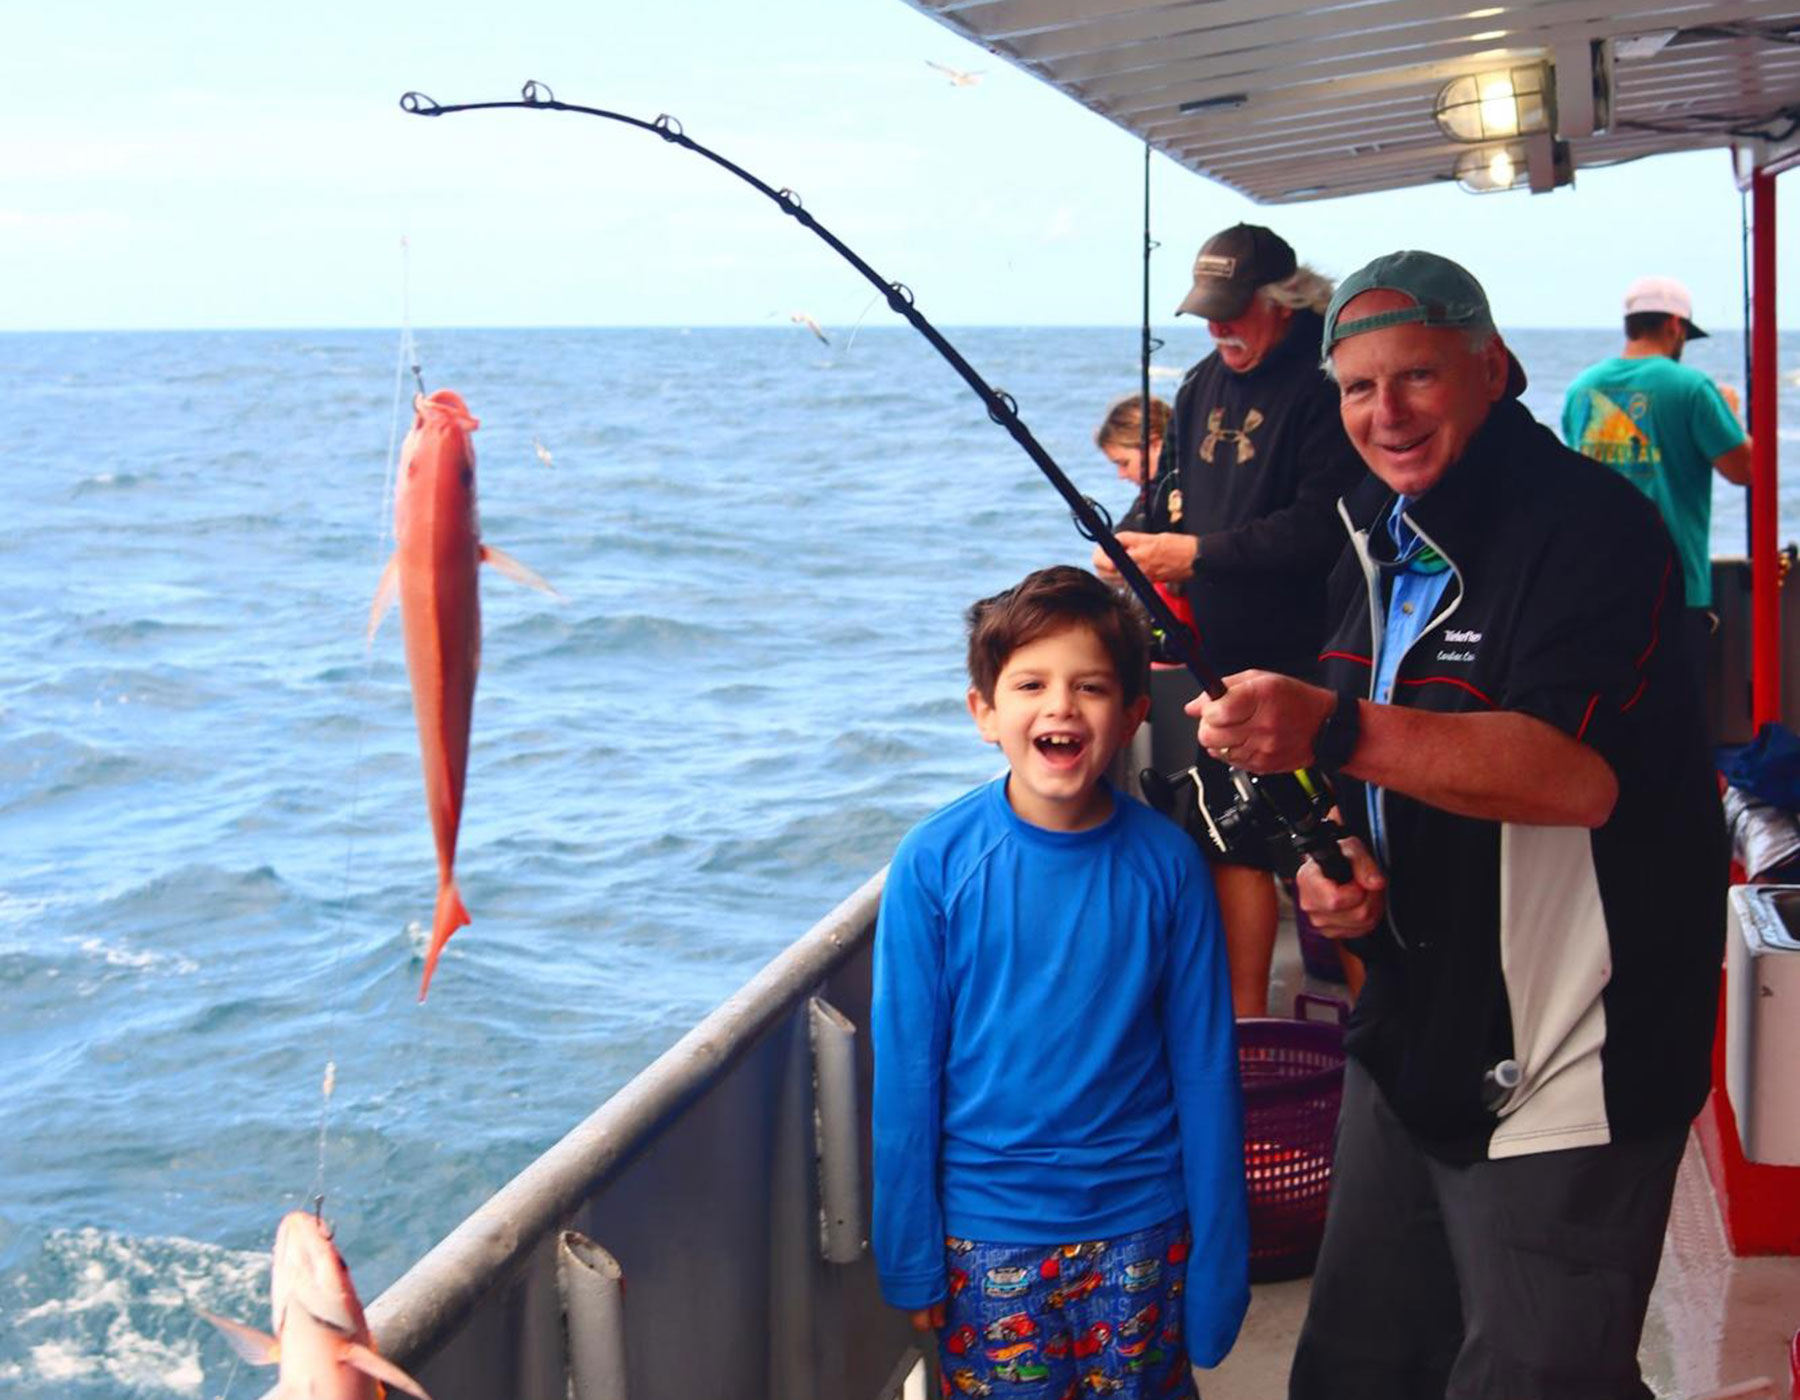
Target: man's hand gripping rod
(1295,801)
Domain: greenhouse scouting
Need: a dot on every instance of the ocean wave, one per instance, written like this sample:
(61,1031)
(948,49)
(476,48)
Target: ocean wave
(27,910)
(637,634)
(846,837)
(740,692)
(225,895)
(120,954)
(132,634)
(45,981)
(109,481)
(885,748)
(97,1310)
(43,768)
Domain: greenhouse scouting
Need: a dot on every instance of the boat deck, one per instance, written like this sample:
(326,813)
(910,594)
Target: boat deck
(1717,1323)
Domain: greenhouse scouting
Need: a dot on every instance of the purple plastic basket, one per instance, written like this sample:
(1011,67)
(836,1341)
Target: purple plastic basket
(1293,1077)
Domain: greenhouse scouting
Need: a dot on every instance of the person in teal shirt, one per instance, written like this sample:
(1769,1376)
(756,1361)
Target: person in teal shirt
(1665,427)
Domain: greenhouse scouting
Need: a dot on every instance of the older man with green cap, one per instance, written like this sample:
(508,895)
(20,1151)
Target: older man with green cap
(1540,873)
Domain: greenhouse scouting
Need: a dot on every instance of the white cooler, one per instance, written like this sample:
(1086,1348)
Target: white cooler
(1762,1020)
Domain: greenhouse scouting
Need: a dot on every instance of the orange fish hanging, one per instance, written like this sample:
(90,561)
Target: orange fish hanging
(437,555)
(321,1339)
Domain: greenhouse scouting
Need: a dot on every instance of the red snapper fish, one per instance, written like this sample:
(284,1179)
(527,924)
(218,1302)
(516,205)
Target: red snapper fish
(437,556)
(321,1340)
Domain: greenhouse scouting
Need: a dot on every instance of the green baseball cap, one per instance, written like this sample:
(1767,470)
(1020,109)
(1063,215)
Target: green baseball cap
(1443,293)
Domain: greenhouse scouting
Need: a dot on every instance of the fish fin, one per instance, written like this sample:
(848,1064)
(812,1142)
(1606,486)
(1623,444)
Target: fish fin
(513,569)
(385,593)
(366,1360)
(448,917)
(258,1348)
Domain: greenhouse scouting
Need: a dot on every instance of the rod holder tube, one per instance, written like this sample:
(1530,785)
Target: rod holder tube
(592,1286)
(837,1133)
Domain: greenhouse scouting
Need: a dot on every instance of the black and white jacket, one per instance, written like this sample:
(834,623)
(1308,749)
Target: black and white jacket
(1591,958)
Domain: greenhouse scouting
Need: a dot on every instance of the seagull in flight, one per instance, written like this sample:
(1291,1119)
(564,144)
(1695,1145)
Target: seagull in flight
(800,318)
(958,77)
(543,453)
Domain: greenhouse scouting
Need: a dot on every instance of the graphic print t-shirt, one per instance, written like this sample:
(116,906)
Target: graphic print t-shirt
(1660,425)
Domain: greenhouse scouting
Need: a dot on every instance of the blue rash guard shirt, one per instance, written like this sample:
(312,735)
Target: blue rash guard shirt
(1054,1050)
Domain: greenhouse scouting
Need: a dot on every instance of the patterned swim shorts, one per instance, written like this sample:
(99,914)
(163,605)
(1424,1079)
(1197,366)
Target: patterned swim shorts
(1065,1322)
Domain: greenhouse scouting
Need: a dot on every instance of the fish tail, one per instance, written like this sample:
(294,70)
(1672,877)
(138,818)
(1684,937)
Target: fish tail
(446,920)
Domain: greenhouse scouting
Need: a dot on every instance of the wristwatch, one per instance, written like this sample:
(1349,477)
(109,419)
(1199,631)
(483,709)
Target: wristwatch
(1337,736)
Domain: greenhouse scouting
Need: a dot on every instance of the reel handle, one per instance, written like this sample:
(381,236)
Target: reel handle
(1333,864)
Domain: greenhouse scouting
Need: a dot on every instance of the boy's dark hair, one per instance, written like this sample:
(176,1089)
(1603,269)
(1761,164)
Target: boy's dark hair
(1048,601)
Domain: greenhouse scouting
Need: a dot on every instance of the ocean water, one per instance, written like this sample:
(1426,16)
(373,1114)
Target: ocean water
(216,855)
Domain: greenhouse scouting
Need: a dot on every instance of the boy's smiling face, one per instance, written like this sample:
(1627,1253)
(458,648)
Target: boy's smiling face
(1059,715)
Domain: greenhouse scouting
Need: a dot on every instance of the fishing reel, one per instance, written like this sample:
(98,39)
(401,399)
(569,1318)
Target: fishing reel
(1285,817)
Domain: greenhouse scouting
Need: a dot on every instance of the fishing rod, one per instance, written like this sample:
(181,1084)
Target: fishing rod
(1002,408)
(1148,345)
(1291,807)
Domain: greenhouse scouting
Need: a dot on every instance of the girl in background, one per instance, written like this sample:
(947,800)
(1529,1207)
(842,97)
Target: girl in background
(1120,438)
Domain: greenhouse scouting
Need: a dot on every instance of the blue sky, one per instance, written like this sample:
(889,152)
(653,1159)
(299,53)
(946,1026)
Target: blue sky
(213,165)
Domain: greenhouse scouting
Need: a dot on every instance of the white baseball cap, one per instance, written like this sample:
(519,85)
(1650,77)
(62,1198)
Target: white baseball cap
(1665,295)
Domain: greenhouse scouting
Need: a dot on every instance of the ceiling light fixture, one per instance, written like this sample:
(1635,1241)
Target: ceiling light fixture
(1537,163)
(1497,105)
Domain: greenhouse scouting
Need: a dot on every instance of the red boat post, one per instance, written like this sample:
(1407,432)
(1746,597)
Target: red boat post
(1755,1198)
(1765,515)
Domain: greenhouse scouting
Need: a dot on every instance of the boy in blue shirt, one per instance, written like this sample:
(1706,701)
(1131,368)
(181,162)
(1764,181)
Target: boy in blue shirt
(1059,1178)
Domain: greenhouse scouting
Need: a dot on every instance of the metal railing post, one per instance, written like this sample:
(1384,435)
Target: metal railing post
(592,1286)
(841,1236)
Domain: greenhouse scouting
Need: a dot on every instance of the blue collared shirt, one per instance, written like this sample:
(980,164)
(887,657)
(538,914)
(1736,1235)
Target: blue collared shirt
(1416,584)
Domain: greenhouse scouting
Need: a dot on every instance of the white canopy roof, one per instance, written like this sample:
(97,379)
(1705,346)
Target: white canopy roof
(1288,101)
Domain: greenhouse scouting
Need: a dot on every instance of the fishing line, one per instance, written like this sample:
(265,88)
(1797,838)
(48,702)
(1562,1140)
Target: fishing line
(862,316)
(1319,837)
(407,358)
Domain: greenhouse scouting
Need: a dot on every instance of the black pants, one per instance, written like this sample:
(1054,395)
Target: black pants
(1525,1278)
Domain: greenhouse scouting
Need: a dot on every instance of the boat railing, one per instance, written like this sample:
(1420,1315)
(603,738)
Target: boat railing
(704,1232)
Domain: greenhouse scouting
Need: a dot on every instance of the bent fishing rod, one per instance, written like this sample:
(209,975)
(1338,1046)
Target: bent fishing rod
(1299,814)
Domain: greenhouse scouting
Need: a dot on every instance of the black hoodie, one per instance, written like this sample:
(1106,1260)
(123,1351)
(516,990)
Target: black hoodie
(1259,460)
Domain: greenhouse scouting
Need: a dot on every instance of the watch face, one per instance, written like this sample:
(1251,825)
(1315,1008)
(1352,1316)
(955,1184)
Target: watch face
(1175,506)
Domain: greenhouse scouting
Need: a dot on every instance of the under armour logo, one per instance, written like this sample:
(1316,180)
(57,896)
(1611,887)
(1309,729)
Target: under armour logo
(1217,432)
